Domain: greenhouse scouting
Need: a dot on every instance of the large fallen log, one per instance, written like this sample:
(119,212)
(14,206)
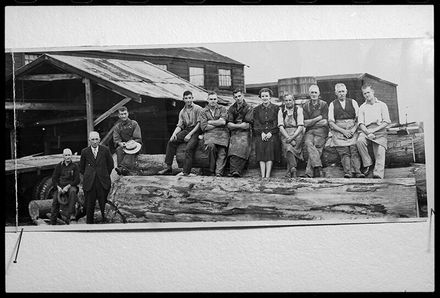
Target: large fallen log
(402,151)
(206,198)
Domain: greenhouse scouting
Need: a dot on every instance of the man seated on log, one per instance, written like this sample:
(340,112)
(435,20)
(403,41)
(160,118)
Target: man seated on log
(65,179)
(187,131)
(342,119)
(291,125)
(216,134)
(316,124)
(373,121)
(126,132)
(239,124)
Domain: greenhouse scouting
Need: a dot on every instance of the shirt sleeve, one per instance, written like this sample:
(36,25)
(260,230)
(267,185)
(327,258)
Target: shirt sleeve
(280,118)
(249,115)
(331,114)
(384,113)
(76,179)
(56,175)
(257,126)
(180,121)
(203,120)
(361,116)
(137,136)
(224,114)
(300,117)
(306,112)
(230,114)
(355,106)
(116,135)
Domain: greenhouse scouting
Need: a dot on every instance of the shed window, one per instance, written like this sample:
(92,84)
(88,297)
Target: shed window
(197,76)
(224,77)
(162,66)
(29,58)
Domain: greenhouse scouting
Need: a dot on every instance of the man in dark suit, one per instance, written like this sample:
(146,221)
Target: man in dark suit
(95,165)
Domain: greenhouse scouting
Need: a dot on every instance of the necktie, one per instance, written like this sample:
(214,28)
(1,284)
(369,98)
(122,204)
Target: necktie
(95,153)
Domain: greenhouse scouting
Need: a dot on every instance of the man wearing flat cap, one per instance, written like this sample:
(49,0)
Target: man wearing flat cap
(128,142)
(65,178)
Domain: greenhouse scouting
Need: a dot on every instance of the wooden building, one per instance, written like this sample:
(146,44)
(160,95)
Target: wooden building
(384,90)
(60,98)
(198,65)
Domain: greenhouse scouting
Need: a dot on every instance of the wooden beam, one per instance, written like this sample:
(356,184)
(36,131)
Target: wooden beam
(89,106)
(44,106)
(107,137)
(50,77)
(111,110)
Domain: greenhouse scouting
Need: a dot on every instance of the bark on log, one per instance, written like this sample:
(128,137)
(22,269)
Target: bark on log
(183,199)
(402,151)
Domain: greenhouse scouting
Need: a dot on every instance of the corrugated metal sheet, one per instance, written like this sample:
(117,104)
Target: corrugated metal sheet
(142,78)
(194,53)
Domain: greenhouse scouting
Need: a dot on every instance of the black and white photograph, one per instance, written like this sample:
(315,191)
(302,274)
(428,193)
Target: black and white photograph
(204,145)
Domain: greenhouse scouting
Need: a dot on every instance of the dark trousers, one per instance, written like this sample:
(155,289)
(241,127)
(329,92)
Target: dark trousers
(55,209)
(291,160)
(236,164)
(97,192)
(190,148)
(350,159)
(125,160)
(217,158)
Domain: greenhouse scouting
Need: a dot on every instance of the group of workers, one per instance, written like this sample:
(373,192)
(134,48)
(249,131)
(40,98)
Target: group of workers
(228,135)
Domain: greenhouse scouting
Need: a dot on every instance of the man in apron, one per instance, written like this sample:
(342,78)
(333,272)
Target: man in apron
(291,125)
(239,124)
(342,119)
(316,124)
(373,121)
(216,135)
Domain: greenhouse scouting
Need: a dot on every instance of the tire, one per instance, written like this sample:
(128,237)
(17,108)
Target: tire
(44,190)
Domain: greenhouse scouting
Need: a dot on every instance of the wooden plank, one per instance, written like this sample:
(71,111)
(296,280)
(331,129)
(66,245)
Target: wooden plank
(203,198)
(31,164)
(111,111)
(49,77)
(89,106)
(44,106)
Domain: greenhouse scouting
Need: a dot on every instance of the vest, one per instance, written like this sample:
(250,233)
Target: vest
(340,113)
(295,112)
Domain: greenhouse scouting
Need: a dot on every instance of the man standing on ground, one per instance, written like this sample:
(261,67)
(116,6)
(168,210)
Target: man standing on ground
(187,131)
(316,124)
(239,124)
(125,130)
(96,164)
(65,179)
(216,135)
(342,119)
(373,121)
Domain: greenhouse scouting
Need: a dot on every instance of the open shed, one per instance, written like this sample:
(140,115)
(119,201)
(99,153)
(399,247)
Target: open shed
(60,98)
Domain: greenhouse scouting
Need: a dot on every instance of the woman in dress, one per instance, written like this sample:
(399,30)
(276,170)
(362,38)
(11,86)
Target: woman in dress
(266,132)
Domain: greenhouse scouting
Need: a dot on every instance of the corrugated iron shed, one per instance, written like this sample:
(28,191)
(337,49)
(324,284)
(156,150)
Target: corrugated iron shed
(193,53)
(136,79)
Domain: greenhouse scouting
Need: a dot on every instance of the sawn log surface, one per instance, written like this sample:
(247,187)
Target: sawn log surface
(207,198)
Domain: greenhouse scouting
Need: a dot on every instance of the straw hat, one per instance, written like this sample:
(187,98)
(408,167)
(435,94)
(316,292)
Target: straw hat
(132,147)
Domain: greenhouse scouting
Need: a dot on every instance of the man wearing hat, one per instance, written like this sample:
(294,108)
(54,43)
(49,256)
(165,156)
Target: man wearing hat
(128,141)
(65,178)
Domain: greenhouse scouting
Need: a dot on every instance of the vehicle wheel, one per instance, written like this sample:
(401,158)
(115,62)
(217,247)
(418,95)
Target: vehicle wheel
(44,190)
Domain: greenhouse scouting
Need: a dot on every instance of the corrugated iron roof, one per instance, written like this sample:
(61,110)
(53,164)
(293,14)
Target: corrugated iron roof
(194,53)
(131,78)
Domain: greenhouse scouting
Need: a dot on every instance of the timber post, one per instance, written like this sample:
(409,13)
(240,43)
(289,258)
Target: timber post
(89,106)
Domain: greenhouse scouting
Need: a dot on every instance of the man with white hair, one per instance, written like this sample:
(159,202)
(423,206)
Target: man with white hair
(316,124)
(95,165)
(65,179)
(342,119)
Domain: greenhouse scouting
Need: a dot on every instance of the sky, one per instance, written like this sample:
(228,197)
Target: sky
(394,43)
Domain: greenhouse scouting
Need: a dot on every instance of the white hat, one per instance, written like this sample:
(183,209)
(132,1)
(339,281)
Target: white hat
(132,147)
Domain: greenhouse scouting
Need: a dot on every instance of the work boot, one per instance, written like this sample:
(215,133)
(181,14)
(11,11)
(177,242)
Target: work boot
(293,172)
(316,172)
(166,171)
